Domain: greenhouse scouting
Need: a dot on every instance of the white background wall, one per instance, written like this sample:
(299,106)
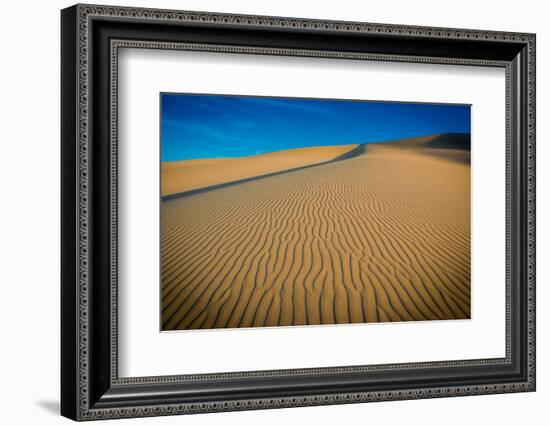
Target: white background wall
(29,212)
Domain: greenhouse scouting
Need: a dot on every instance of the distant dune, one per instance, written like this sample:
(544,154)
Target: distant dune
(183,176)
(459,141)
(381,235)
(452,146)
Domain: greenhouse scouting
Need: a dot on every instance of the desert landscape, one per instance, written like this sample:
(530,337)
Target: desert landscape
(358,233)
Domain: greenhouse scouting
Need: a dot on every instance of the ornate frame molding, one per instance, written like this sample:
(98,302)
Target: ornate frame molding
(87,407)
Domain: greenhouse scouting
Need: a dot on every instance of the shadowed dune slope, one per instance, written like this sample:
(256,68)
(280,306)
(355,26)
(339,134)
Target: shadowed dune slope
(459,141)
(382,236)
(451,146)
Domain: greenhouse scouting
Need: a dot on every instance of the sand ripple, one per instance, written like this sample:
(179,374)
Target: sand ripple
(380,237)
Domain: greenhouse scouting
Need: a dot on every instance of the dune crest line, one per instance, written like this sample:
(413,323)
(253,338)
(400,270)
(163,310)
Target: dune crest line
(360,149)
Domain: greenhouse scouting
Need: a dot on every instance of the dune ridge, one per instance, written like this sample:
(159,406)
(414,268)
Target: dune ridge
(382,236)
(179,177)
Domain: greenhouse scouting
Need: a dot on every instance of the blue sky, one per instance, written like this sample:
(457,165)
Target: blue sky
(214,126)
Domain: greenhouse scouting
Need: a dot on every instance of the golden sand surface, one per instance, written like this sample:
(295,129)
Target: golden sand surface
(182,176)
(383,236)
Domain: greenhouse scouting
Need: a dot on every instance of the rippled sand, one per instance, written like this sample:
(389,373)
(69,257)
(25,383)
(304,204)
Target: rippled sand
(381,236)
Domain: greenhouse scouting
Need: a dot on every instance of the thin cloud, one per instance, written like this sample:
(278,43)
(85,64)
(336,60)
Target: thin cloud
(204,131)
(296,105)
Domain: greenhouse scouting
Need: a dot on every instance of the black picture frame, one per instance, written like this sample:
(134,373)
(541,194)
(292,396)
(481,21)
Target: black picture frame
(90,38)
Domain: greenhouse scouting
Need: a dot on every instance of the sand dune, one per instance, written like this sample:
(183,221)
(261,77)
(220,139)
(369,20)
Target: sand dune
(451,146)
(182,176)
(383,236)
(454,141)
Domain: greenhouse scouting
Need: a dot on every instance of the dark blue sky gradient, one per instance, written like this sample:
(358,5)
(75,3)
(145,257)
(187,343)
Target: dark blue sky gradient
(212,126)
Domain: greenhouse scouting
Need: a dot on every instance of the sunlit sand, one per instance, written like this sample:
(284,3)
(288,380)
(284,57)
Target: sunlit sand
(182,176)
(383,235)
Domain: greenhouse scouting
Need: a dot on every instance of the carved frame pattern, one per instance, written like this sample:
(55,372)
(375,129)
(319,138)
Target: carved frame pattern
(85,14)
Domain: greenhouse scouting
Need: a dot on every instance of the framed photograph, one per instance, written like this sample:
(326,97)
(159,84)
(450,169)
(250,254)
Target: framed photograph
(263,212)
